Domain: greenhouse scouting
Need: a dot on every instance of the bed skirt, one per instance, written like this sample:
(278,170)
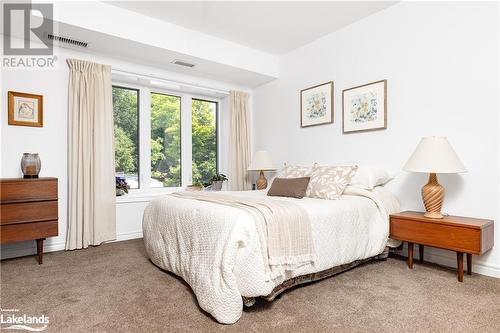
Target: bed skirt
(307,278)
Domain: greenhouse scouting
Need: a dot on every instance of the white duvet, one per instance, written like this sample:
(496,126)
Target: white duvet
(216,248)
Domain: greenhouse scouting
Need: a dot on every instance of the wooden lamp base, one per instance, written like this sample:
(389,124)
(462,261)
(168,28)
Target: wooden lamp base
(433,195)
(261,182)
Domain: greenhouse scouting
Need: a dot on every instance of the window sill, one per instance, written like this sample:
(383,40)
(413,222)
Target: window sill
(137,196)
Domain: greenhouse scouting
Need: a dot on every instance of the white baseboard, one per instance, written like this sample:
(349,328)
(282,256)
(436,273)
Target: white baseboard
(449,259)
(128,235)
(28,249)
(445,258)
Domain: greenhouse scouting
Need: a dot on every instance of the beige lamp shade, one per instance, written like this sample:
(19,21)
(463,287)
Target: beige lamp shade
(434,155)
(261,161)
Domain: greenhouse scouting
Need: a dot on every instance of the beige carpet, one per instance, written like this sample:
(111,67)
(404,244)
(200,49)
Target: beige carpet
(114,288)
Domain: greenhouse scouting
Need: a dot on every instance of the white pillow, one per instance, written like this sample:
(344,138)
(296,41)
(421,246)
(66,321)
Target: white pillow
(367,177)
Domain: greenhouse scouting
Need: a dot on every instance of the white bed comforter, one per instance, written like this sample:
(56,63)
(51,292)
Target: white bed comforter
(216,248)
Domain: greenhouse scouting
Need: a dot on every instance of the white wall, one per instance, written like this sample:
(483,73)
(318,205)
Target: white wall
(50,141)
(441,62)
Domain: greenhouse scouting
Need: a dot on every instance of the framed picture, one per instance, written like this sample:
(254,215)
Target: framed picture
(316,105)
(364,108)
(25,109)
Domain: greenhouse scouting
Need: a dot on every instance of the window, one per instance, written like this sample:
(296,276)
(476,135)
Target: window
(204,140)
(125,111)
(165,140)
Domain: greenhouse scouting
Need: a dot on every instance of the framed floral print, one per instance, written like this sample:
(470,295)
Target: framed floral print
(25,109)
(364,108)
(316,105)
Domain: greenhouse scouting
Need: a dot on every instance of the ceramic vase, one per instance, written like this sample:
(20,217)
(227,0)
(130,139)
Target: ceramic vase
(30,165)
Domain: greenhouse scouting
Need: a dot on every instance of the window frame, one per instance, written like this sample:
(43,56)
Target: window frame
(157,92)
(138,130)
(217,139)
(144,128)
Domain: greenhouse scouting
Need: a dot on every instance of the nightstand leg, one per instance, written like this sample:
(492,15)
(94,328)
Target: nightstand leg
(39,250)
(421,253)
(469,264)
(460,266)
(410,255)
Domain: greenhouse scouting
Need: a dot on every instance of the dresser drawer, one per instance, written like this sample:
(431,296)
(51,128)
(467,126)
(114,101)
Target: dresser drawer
(27,231)
(28,190)
(22,212)
(444,236)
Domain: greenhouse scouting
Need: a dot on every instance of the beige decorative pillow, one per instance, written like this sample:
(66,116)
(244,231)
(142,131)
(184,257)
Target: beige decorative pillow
(329,182)
(295,171)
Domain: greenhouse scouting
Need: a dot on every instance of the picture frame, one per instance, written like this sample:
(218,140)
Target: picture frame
(25,109)
(364,108)
(316,105)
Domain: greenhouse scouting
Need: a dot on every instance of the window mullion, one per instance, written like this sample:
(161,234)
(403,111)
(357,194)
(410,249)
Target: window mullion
(218,135)
(186,140)
(145,139)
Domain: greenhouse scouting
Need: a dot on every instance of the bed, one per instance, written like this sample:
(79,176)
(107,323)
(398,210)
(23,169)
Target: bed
(217,249)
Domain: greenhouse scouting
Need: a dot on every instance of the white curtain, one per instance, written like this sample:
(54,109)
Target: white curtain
(239,141)
(91,166)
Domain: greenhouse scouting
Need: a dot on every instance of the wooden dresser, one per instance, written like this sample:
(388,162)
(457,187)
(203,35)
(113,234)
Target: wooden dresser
(28,210)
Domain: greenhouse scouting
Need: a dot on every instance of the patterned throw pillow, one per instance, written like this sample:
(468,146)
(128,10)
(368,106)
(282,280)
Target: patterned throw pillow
(329,182)
(295,171)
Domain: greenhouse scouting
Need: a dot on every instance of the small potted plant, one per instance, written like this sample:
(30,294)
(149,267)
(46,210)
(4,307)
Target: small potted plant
(121,186)
(217,181)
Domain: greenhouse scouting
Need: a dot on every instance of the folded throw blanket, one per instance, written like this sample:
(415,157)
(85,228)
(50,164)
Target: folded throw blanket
(284,228)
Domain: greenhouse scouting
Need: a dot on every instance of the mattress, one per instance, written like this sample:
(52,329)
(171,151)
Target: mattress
(216,248)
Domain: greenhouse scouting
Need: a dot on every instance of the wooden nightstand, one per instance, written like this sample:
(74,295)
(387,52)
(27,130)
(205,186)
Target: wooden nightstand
(455,233)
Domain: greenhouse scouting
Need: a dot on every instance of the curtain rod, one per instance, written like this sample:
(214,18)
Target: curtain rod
(120,71)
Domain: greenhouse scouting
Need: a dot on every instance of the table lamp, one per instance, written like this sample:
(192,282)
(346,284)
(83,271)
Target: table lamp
(261,162)
(434,155)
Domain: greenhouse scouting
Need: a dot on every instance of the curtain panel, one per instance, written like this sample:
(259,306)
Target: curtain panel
(239,141)
(91,165)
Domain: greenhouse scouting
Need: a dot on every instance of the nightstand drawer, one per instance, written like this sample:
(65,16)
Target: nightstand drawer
(444,236)
(23,212)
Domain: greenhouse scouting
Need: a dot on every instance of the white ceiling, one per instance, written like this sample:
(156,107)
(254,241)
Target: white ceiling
(148,55)
(275,27)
